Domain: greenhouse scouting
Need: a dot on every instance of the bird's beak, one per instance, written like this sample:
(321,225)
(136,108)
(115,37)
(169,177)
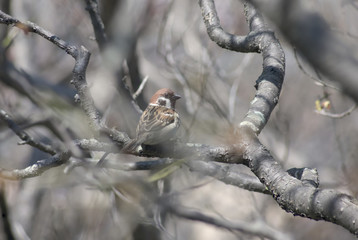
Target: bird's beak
(176,97)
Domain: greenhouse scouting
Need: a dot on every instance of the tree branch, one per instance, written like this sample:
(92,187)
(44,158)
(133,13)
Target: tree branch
(31,27)
(140,88)
(295,196)
(311,35)
(24,136)
(226,40)
(228,175)
(257,228)
(83,94)
(298,197)
(81,57)
(337,115)
(37,168)
(261,40)
(98,26)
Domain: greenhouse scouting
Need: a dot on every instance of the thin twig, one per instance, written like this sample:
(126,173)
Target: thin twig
(235,86)
(318,80)
(179,76)
(98,26)
(27,139)
(102,160)
(32,27)
(257,228)
(336,115)
(140,88)
(62,132)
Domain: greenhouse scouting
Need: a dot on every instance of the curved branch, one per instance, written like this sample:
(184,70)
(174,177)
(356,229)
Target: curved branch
(222,38)
(337,115)
(311,35)
(298,197)
(270,81)
(263,40)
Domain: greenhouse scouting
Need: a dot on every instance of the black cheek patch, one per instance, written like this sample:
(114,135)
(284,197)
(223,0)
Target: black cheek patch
(162,102)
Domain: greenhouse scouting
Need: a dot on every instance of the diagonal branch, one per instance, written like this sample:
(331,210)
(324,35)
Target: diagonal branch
(257,228)
(24,136)
(81,56)
(98,26)
(32,27)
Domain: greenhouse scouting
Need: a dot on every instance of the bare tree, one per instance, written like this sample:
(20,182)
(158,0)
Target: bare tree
(152,193)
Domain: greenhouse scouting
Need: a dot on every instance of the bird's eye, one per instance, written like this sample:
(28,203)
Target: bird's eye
(166,95)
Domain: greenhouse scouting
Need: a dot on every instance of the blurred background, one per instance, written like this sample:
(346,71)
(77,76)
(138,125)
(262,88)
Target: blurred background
(167,42)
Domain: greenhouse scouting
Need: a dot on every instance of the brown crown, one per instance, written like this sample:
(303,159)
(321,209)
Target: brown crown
(167,93)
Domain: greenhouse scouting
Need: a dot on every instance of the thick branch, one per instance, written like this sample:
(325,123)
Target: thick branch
(222,38)
(83,93)
(301,198)
(270,81)
(311,35)
(176,150)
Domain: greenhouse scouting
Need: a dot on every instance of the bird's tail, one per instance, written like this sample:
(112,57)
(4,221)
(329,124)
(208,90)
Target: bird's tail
(130,146)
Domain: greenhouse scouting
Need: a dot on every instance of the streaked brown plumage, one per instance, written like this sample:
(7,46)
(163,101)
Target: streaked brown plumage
(159,121)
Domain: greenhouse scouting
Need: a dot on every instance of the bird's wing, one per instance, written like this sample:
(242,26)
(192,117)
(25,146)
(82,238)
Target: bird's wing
(155,118)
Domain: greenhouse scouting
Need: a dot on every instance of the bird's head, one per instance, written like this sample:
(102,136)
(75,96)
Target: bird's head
(164,97)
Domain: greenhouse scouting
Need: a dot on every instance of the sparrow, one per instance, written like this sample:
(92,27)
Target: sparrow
(159,121)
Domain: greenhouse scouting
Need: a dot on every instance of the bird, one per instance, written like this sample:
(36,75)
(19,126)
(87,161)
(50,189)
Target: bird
(159,121)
